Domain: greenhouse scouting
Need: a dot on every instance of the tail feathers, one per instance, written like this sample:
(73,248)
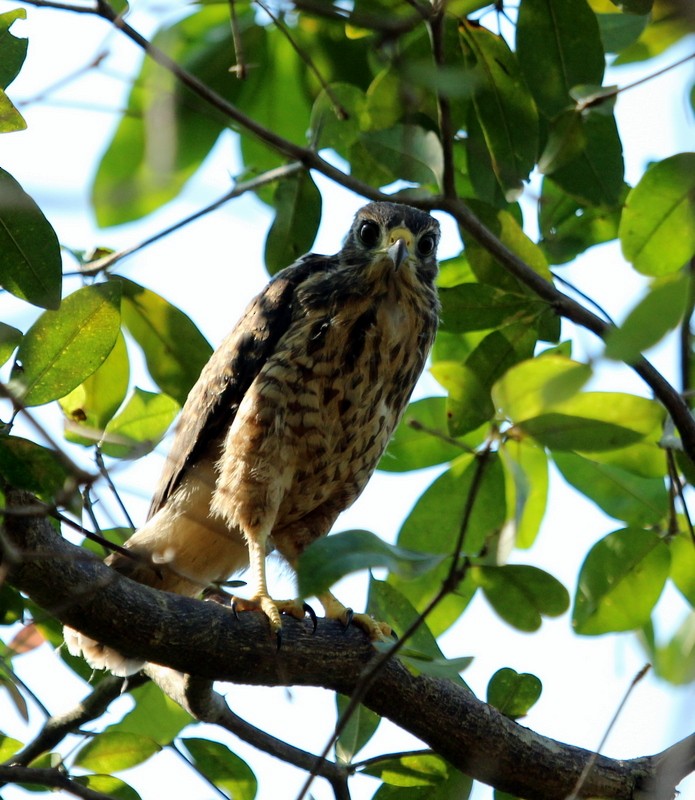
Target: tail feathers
(98,655)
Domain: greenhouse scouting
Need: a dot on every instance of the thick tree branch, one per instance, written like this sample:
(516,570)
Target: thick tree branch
(205,640)
(51,777)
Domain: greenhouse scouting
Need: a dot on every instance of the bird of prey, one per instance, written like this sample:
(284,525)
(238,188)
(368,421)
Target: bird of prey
(289,418)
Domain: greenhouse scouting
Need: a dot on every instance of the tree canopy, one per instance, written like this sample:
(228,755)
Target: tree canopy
(500,122)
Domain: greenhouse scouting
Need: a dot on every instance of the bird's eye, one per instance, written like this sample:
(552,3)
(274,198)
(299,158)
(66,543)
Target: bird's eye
(426,245)
(369,233)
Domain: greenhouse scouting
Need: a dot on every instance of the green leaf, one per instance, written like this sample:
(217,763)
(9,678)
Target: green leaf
(167,130)
(155,716)
(526,466)
(329,126)
(223,767)
(634,6)
(30,262)
(13,50)
(558,46)
(412,770)
(89,406)
(619,31)
(174,348)
(360,728)
(657,229)
(477,306)
(621,494)
(456,786)
(108,786)
(566,141)
(423,444)
(140,425)
(513,693)
(405,152)
(683,565)
(675,661)
(10,119)
(64,347)
(328,559)
(568,227)
(505,109)
(522,595)
(297,203)
(113,751)
(620,581)
(650,320)
(8,747)
(11,609)
(596,176)
(27,465)
(9,340)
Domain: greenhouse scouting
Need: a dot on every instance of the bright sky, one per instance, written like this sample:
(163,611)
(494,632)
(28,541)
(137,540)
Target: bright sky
(584,678)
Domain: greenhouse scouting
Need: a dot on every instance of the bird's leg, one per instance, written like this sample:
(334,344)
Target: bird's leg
(260,599)
(377,631)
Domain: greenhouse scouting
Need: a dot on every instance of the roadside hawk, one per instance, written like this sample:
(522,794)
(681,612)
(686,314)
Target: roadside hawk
(289,418)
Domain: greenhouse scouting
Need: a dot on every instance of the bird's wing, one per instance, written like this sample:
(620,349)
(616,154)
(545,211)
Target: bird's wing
(213,402)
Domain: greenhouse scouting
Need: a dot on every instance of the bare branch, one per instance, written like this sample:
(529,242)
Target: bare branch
(206,640)
(54,778)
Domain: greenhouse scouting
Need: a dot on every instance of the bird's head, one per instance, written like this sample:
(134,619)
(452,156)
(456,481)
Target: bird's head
(389,237)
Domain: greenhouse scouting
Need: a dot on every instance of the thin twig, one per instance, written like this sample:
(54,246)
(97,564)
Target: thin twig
(53,778)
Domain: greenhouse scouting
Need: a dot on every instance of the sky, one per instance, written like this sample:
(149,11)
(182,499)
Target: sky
(584,679)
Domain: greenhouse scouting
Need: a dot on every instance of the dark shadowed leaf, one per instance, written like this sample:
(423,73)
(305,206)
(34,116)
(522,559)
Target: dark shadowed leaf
(297,204)
(618,31)
(620,581)
(477,307)
(360,728)
(566,140)
(657,229)
(513,693)
(9,340)
(504,108)
(223,767)
(406,152)
(140,425)
(328,559)
(108,785)
(30,262)
(12,49)
(522,595)
(113,751)
(175,350)
(27,465)
(559,46)
(64,347)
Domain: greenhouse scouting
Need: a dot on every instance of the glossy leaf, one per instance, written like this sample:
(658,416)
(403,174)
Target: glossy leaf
(223,767)
(477,306)
(167,130)
(155,716)
(297,204)
(505,110)
(421,438)
(175,350)
(657,229)
(90,406)
(620,581)
(140,425)
(558,46)
(113,751)
(9,340)
(13,49)
(513,693)
(683,565)
(328,559)
(64,347)
(522,595)
(108,786)
(650,320)
(360,728)
(412,770)
(30,262)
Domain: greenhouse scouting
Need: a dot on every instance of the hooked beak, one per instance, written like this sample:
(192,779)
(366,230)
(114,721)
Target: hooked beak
(400,242)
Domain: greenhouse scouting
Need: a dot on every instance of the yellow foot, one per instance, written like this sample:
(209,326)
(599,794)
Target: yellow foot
(273,609)
(377,631)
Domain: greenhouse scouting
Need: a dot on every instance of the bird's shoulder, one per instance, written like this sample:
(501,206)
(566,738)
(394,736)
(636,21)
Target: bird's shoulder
(213,401)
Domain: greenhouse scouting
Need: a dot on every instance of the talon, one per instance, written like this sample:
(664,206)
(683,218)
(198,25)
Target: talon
(309,611)
(349,616)
(235,608)
(278,640)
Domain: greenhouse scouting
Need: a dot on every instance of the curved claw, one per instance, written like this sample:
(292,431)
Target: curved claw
(309,611)
(349,615)
(234,606)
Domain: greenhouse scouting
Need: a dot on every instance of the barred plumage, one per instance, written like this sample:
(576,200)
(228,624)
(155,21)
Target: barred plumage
(290,417)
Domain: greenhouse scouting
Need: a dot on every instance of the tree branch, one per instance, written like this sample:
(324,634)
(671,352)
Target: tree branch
(205,640)
(51,777)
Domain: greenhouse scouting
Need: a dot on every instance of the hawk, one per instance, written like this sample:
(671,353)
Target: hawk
(289,419)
